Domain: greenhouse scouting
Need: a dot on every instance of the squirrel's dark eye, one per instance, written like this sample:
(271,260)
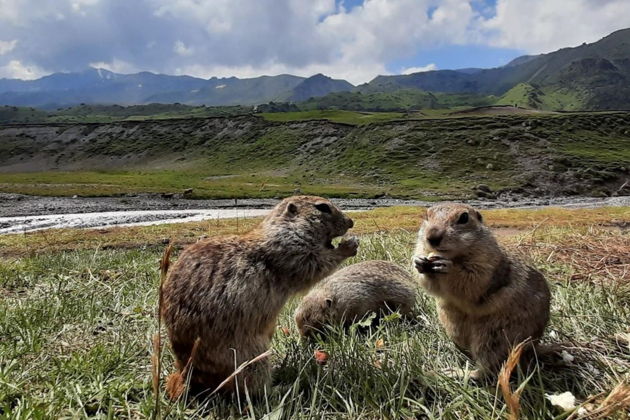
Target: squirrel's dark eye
(463,219)
(323,207)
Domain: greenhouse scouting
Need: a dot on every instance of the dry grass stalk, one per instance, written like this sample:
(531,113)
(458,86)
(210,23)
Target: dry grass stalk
(240,369)
(156,357)
(512,399)
(185,373)
(155,364)
(178,383)
(618,400)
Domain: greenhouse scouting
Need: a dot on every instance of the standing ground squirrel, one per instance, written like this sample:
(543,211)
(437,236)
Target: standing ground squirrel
(228,291)
(487,301)
(355,291)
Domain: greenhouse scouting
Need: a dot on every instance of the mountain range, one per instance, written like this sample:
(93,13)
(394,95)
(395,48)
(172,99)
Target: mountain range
(99,86)
(587,77)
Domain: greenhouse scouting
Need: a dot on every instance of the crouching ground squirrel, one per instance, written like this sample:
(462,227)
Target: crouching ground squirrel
(227,291)
(355,291)
(487,300)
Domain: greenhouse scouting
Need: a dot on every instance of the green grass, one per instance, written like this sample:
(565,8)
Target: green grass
(340,116)
(112,113)
(204,184)
(598,149)
(76,328)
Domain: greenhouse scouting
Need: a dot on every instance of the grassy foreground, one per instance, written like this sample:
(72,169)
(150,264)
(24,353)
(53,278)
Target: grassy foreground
(77,320)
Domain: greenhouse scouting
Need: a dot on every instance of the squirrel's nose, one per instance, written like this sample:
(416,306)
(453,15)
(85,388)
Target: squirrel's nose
(434,240)
(350,223)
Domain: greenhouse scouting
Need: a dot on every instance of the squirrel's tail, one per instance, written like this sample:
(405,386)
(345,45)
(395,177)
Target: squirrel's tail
(560,354)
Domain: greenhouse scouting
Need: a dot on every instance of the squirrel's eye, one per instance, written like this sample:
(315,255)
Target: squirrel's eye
(463,219)
(323,207)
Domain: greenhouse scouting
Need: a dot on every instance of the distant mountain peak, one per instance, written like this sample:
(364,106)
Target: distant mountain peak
(318,85)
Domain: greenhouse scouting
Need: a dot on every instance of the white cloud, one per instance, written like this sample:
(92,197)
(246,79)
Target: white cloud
(9,10)
(181,49)
(411,70)
(116,66)
(547,25)
(17,70)
(78,6)
(371,35)
(247,38)
(7,46)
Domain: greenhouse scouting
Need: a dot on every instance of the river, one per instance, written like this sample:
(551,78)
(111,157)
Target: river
(22,213)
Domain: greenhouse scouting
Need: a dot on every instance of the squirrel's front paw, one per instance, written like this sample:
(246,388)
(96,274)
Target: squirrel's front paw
(422,264)
(433,264)
(441,265)
(348,247)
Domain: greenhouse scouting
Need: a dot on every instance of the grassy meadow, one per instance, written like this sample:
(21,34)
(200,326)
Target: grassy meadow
(205,184)
(77,317)
(339,116)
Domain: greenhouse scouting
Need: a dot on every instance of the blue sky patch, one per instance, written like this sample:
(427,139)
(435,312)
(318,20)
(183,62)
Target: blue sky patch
(457,57)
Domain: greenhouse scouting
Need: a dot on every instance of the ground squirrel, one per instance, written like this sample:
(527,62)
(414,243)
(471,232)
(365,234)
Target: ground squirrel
(228,291)
(487,300)
(355,291)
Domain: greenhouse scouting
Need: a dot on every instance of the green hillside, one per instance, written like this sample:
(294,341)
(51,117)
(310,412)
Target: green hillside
(250,156)
(398,100)
(14,114)
(550,98)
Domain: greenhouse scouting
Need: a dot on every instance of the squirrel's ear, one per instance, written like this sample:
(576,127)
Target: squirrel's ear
(479,216)
(291,209)
(323,207)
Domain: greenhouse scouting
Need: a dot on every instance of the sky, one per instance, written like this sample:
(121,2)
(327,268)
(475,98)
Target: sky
(354,40)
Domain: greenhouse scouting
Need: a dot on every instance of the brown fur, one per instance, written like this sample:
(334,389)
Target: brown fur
(355,291)
(229,290)
(487,300)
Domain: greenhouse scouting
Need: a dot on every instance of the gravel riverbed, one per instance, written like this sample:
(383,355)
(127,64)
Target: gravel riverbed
(23,213)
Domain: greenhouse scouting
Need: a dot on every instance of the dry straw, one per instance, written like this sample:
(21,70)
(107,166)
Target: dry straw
(596,407)
(156,357)
(512,398)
